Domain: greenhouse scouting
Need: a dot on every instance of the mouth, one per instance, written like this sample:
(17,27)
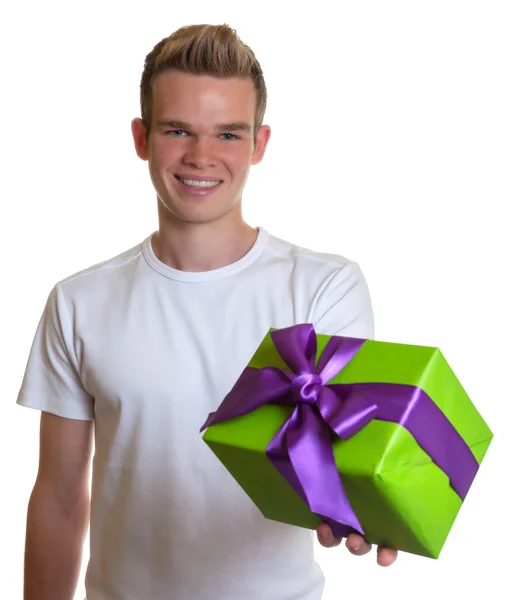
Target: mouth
(199,183)
(198,187)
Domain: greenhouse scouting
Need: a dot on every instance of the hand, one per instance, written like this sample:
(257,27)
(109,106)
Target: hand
(356,545)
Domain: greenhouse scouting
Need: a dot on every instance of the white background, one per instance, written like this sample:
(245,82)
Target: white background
(391,145)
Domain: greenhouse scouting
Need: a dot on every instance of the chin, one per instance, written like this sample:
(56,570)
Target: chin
(194,214)
(195,217)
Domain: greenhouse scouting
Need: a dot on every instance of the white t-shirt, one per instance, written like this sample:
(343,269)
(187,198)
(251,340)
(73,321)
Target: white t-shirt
(147,352)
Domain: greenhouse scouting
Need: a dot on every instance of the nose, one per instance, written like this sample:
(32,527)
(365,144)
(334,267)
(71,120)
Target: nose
(199,154)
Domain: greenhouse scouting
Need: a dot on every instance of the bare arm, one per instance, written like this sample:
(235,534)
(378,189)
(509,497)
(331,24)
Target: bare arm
(58,511)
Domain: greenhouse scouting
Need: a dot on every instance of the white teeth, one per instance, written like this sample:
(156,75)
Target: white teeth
(195,183)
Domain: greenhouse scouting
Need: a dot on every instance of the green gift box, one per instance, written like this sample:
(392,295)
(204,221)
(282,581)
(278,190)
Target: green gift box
(400,496)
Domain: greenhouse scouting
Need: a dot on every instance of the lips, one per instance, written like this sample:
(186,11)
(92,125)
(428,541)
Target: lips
(195,178)
(199,191)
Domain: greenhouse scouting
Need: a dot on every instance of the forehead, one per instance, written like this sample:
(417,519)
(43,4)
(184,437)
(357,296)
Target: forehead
(190,97)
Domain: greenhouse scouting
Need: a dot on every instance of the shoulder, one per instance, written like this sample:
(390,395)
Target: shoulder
(335,284)
(100,278)
(312,266)
(104,269)
(286,250)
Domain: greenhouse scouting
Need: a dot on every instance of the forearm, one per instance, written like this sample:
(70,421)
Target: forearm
(54,545)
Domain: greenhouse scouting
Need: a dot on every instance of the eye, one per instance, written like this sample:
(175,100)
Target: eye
(175,131)
(232,136)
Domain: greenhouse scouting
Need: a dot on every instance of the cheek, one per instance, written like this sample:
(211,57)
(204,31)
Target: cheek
(163,154)
(243,172)
(238,162)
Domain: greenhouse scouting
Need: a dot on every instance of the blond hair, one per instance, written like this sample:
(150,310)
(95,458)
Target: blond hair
(203,49)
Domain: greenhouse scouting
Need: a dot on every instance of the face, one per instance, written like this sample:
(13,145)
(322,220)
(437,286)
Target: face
(201,144)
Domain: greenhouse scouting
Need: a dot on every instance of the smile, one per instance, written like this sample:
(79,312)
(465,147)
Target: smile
(196,183)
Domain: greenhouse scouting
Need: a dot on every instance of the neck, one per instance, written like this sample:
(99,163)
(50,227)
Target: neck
(199,247)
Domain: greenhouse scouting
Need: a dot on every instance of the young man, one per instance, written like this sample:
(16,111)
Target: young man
(141,348)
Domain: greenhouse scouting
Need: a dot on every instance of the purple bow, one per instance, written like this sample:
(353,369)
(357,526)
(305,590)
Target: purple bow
(302,450)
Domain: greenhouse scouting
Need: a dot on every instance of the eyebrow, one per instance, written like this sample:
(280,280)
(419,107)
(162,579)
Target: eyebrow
(240,126)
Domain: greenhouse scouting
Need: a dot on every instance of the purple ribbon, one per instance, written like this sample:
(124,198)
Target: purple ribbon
(302,449)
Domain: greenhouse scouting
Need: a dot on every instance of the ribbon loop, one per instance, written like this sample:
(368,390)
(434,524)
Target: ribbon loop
(339,351)
(297,346)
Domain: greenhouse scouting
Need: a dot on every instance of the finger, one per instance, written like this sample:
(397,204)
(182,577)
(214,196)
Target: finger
(326,537)
(357,545)
(386,556)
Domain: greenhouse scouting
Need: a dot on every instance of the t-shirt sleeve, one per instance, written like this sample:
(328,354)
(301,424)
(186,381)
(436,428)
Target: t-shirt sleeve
(51,382)
(344,306)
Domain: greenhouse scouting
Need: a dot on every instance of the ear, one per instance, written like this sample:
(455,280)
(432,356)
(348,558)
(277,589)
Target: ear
(261,141)
(140,138)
